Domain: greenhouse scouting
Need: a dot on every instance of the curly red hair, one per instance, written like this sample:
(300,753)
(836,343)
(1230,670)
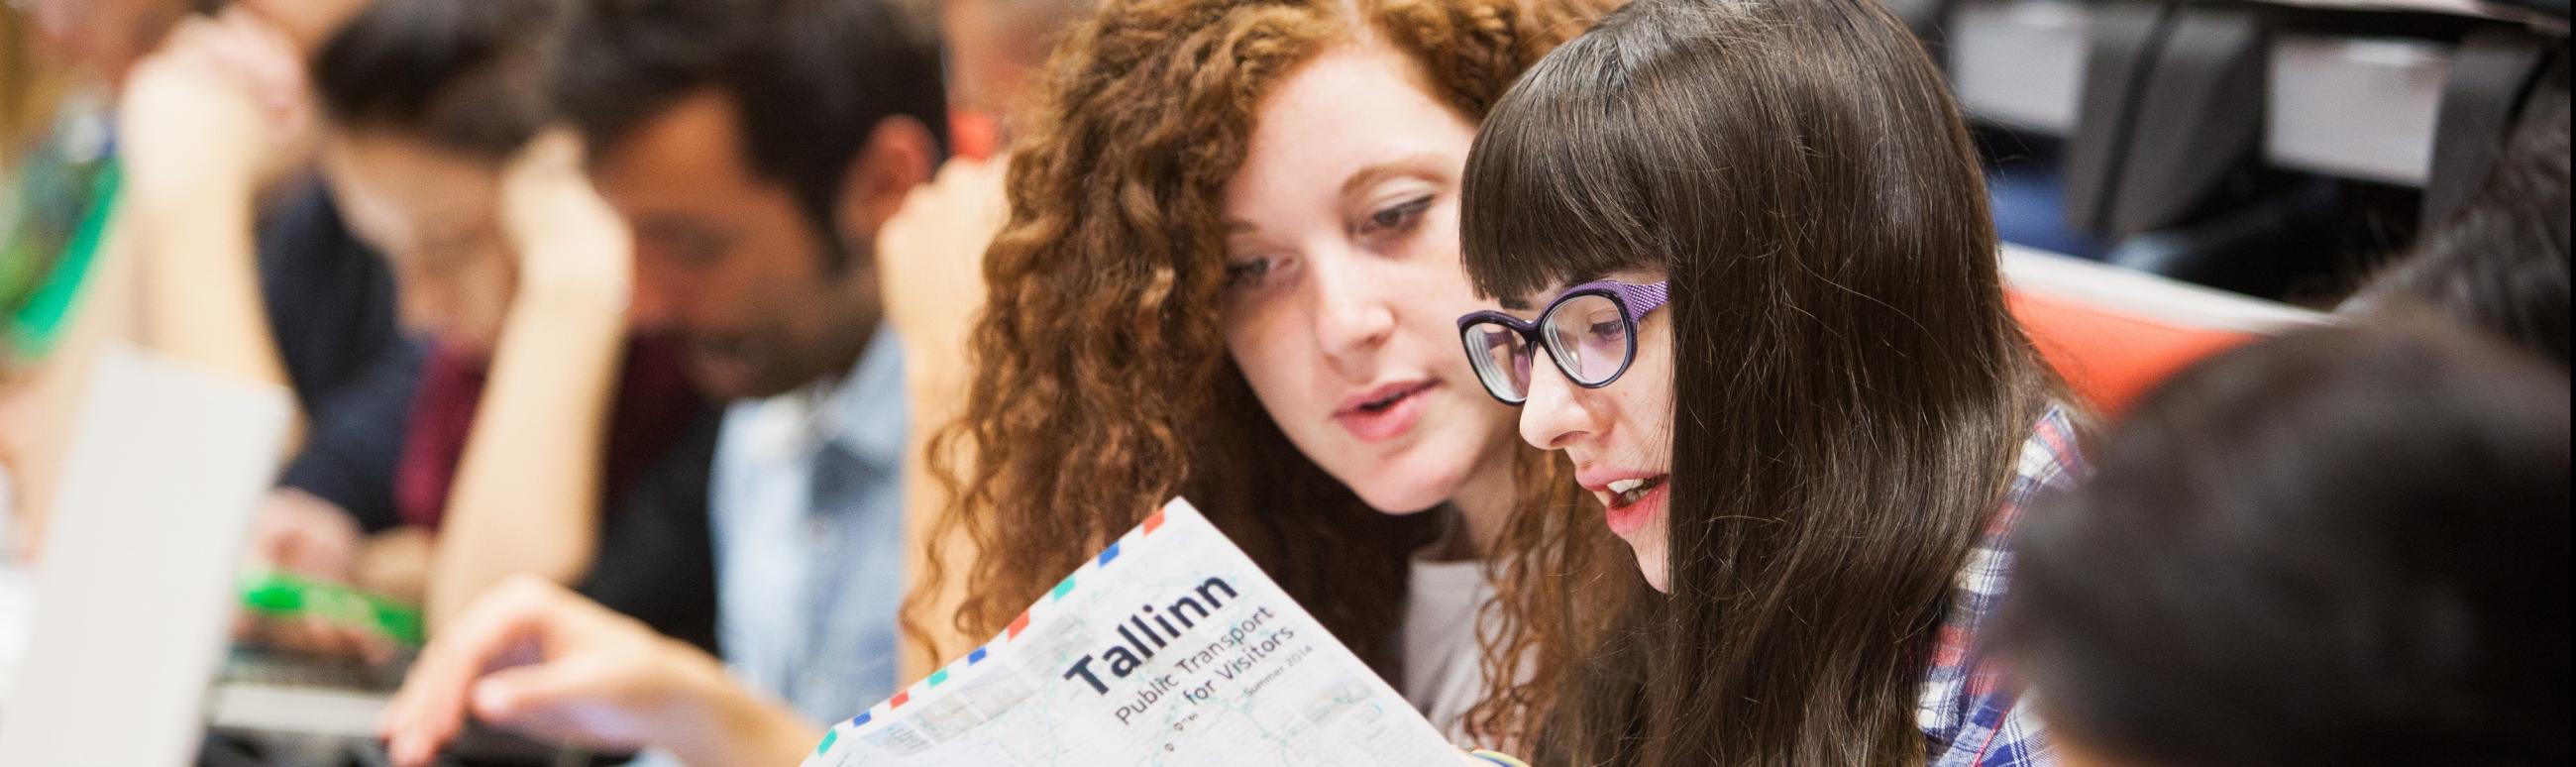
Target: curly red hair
(1102,386)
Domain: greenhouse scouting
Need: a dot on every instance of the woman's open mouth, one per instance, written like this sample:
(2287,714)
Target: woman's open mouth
(1629,504)
(1385,413)
(1628,492)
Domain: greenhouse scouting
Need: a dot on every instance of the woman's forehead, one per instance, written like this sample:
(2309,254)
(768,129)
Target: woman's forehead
(1348,116)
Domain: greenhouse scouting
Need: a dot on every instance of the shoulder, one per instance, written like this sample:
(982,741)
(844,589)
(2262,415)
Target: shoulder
(2001,733)
(2050,459)
(1971,714)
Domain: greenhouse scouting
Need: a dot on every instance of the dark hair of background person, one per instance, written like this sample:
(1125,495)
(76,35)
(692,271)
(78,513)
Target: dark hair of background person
(2341,546)
(464,75)
(809,80)
(1102,383)
(2500,264)
(1850,393)
(28,87)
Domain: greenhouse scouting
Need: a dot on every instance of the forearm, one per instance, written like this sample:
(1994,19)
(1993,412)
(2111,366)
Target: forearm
(928,257)
(199,281)
(527,493)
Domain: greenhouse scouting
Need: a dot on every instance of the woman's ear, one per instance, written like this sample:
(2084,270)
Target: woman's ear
(899,155)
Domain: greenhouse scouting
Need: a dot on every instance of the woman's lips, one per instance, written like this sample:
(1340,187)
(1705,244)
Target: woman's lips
(1626,520)
(1386,414)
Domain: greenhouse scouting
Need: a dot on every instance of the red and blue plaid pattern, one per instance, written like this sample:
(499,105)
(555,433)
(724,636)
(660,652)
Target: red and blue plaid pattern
(1970,716)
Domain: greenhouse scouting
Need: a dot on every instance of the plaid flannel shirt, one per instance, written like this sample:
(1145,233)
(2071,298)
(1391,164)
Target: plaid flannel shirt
(1969,715)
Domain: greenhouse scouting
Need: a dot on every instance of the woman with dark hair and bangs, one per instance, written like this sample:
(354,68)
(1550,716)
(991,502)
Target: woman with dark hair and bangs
(1753,295)
(1230,274)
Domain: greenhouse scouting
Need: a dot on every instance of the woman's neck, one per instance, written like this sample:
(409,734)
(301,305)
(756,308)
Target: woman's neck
(1479,510)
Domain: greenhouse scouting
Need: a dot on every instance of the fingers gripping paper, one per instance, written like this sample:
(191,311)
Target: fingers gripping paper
(1169,648)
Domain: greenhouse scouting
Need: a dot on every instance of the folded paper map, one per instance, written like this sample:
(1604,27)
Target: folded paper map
(1168,648)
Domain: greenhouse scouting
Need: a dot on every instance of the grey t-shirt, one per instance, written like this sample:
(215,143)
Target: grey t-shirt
(1443,670)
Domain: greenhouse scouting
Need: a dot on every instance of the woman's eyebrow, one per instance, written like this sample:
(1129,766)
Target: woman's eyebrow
(1423,164)
(1239,231)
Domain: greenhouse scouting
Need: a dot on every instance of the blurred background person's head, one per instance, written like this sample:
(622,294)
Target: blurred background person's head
(28,85)
(996,48)
(310,23)
(102,38)
(2500,264)
(2343,546)
(106,38)
(425,102)
(756,147)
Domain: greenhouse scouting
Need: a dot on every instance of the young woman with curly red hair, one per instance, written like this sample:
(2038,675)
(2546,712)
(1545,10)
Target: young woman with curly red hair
(1231,274)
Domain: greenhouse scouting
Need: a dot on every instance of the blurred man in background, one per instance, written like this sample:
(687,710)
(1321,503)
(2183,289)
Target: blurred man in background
(755,149)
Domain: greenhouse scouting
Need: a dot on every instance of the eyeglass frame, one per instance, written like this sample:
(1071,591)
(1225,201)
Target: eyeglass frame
(1634,302)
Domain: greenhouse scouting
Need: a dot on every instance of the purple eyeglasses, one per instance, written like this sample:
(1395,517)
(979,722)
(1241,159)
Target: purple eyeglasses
(1590,330)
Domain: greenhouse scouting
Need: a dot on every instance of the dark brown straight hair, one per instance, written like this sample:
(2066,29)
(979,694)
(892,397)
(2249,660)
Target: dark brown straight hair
(1850,392)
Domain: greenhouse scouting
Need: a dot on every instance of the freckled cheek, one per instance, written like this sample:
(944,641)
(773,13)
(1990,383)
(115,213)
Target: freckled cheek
(1283,367)
(1266,333)
(1435,266)
(1635,436)
(1242,328)
(1436,294)
(1643,397)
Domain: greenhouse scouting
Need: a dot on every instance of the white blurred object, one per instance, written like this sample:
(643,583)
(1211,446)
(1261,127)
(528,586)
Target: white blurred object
(16,609)
(14,605)
(2356,107)
(2471,8)
(2020,63)
(135,595)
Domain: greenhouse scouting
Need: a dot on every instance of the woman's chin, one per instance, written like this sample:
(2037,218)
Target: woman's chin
(1651,564)
(1405,502)
(1401,484)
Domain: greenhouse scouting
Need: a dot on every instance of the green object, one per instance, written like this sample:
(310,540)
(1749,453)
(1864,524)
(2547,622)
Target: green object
(39,322)
(64,199)
(280,595)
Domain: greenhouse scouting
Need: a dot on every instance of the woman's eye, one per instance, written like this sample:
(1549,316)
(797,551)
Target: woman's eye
(1247,272)
(1397,217)
(1607,330)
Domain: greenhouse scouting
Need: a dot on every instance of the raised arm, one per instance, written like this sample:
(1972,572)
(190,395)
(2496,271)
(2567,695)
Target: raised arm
(931,258)
(199,125)
(527,493)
